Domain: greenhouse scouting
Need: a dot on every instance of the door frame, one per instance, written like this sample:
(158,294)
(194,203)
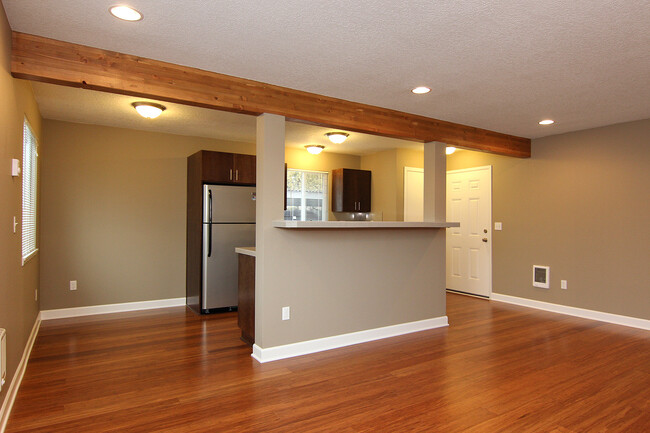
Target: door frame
(490,170)
(405,188)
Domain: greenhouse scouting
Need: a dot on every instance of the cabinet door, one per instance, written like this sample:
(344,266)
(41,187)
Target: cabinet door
(218,167)
(350,190)
(341,199)
(244,169)
(362,184)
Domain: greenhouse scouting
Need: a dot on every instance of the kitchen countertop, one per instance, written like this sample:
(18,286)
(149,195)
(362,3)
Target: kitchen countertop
(249,251)
(362,225)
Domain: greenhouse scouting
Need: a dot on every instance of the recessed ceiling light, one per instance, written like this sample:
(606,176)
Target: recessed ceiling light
(546,122)
(148,110)
(421,90)
(337,137)
(449,150)
(125,13)
(314,149)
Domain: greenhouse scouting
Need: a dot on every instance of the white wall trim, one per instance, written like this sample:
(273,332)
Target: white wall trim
(336,341)
(616,319)
(111,308)
(12,391)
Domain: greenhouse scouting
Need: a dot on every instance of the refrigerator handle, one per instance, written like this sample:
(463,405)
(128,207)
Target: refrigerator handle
(209,223)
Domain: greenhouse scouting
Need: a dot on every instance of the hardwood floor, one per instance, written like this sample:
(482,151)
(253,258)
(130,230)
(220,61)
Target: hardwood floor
(498,367)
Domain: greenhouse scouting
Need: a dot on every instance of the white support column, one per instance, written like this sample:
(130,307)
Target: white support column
(270,198)
(435,181)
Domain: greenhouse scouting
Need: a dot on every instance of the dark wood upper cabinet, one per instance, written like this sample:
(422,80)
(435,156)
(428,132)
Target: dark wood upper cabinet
(350,190)
(244,166)
(217,167)
(222,167)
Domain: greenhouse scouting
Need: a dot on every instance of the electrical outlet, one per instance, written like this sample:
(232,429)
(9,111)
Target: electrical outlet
(73,285)
(498,226)
(563,284)
(286,313)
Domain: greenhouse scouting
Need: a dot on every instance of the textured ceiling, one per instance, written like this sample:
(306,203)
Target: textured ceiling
(98,108)
(498,65)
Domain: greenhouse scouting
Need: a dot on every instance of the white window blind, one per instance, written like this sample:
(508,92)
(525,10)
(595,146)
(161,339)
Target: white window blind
(30,161)
(307,193)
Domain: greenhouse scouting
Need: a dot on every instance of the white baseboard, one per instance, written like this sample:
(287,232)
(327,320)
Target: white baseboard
(336,341)
(110,308)
(616,319)
(12,391)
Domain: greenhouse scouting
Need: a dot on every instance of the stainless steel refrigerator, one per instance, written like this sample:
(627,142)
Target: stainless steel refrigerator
(228,222)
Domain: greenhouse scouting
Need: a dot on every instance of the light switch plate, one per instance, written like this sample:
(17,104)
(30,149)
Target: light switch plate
(498,226)
(286,313)
(563,284)
(15,167)
(73,285)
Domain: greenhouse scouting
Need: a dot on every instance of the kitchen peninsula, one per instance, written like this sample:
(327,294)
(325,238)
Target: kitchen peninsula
(346,282)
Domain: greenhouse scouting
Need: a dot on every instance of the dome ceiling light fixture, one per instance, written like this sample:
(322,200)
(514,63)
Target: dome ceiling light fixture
(125,13)
(337,137)
(449,150)
(148,110)
(421,90)
(546,122)
(314,149)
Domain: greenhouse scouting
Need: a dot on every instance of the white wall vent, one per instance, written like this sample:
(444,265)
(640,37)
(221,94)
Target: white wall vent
(541,276)
(3,357)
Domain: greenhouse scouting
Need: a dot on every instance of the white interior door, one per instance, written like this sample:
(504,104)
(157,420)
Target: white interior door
(413,194)
(469,247)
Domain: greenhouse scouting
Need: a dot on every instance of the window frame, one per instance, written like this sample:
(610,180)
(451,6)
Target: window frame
(326,192)
(29,199)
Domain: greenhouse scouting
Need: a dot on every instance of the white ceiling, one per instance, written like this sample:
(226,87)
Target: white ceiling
(498,65)
(99,108)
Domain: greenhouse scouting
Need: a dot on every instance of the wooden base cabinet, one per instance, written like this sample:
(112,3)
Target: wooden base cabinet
(351,190)
(246,306)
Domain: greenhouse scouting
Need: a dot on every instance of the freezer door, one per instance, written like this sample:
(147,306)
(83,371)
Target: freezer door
(220,262)
(228,203)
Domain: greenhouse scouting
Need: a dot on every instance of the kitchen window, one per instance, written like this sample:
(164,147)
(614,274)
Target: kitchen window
(307,193)
(30,170)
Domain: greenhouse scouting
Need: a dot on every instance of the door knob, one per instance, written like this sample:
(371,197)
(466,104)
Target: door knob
(484,239)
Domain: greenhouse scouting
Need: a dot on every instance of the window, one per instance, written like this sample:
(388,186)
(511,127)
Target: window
(30,160)
(306,195)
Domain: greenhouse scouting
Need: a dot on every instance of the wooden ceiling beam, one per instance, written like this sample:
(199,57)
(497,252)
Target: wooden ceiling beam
(51,61)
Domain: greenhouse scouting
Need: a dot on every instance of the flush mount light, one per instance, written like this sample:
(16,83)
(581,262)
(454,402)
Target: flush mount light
(337,137)
(125,13)
(314,149)
(421,90)
(449,150)
(546,122)
(148,110)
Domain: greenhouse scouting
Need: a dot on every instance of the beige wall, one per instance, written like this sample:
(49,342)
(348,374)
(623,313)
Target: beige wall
(388,179)
(405,158)
(579,205)
(325,161)
(18,308)
(113,213)
(383,189)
